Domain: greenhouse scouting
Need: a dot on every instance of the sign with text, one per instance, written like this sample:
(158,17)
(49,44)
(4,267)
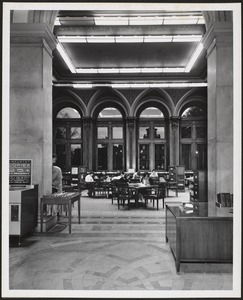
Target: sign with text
(20,172)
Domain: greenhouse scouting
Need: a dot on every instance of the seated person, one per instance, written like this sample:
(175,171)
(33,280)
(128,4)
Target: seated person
(90,183)
(154,174)
(145,178)
(137,175)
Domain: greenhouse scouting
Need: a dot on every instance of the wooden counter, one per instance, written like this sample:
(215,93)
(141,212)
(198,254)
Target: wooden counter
(194,236)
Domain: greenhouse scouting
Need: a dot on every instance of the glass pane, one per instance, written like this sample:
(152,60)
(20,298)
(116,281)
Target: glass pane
(186,132)
(117,132)
(75,133)
(159,132)
(151,112)
(117,157)
(60,133)
(75,154)
(195,112)
(102,156)
(68,113)
(201,156)
(186,156)
(143,132)
(61,155)
(160,157)
(102,133)
(110,112)
(201,132)
(144,157)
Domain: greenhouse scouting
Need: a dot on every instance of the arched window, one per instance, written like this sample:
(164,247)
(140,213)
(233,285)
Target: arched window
(193,137)
(67,137)
(68,113)
(110,140)
(151,140)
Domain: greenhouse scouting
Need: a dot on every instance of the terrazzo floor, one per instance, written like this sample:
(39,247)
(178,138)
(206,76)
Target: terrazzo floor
(111,250)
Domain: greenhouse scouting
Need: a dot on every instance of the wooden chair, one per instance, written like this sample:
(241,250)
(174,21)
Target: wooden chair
(114,191)
(155,193)
(124,194)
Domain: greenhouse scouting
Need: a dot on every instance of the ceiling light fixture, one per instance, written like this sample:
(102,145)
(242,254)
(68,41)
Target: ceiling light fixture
(82,85)
(149,20)
(130,39)
(133,85)
(57,22)
(66,58)
(194,57)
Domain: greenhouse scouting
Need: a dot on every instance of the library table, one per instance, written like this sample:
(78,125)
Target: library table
(196,236)
(61,199)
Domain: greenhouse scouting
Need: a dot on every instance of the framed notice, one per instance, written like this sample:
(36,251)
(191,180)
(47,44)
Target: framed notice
(20,172)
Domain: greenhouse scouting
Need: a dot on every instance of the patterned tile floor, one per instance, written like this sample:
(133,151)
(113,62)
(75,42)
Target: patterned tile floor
(111,250)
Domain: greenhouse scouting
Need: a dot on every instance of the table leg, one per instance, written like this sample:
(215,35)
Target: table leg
(79,209)
(69,215)
(41,215)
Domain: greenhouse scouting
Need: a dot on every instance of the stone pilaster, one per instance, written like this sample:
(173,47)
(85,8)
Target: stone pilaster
(31,48)
(219,44)
(87,142)
(131,151)
(174,140)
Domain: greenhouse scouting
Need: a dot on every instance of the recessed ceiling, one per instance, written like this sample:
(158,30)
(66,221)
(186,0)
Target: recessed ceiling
(127,55)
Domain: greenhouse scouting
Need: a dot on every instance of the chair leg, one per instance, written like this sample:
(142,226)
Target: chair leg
(153,202)
(157,204)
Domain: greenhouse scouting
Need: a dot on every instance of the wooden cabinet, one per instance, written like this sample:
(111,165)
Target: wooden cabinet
(196,237)
(177,175)
(23,210)
(198,187)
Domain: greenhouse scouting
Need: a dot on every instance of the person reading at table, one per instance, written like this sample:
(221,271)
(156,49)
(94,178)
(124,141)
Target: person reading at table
(145,178)
(154,174)
(137,175)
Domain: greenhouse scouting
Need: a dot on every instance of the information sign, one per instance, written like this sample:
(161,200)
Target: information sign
(20,172)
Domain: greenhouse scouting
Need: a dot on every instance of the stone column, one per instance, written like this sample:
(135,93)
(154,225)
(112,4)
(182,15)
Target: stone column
(131,143)
(174,140)
(87,142)
(31,48)
(219,44)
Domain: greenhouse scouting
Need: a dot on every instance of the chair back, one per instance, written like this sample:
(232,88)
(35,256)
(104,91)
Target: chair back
(123,191)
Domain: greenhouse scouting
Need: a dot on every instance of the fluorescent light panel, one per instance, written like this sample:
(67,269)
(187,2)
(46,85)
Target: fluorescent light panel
(151,20)
(129,70)
(133,85)
(194,57)
(66,58)
(130,39)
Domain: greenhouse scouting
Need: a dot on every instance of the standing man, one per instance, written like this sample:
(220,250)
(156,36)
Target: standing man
(56,183)
(56,176)
(90,183)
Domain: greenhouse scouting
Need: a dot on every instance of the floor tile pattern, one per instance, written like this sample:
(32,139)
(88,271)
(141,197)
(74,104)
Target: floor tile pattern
(110,250)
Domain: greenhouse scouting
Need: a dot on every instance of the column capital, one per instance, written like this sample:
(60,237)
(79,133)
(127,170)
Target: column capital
(131,121)
(220,33)
(174,121)
(32,34)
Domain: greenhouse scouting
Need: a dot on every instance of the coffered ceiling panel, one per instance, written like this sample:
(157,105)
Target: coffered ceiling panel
(90,55)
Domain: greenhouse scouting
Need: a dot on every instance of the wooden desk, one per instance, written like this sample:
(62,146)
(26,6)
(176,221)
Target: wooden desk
(194,236)
(61,199)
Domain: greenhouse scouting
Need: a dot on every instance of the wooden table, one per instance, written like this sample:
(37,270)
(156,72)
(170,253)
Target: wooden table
(61,199)
(194,236)
(139,188)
